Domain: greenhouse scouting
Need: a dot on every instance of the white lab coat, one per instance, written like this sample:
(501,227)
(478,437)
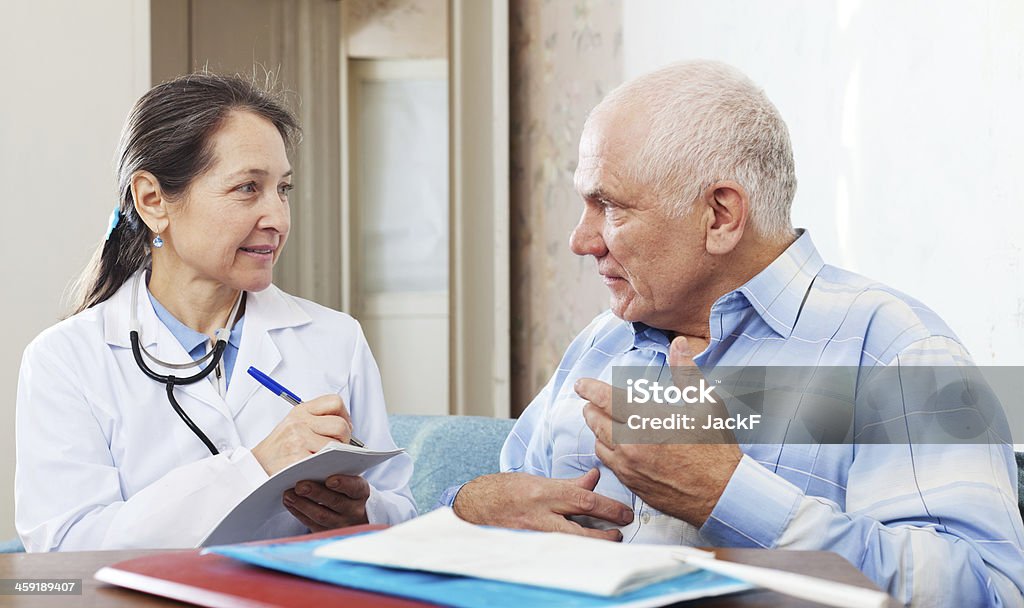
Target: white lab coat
(104,462)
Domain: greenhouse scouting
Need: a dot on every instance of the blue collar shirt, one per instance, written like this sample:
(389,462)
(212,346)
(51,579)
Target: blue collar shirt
(938,523)
(195,342)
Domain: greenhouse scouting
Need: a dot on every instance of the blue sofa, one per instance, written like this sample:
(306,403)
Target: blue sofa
(448,450)
(1020,482)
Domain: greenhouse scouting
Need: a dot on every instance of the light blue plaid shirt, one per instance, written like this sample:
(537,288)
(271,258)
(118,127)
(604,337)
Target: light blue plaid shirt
(938,523)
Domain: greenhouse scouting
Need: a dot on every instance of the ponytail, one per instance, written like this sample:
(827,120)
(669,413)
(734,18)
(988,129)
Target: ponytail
(124,251)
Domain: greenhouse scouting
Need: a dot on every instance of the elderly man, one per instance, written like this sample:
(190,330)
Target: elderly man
(687,178)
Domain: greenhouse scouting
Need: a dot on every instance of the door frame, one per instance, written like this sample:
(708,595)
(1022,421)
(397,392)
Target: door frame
(479,290)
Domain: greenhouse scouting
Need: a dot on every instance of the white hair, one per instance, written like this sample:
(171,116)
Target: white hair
(708,122)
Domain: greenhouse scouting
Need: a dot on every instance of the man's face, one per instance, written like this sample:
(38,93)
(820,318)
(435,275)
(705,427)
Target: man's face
(652,261)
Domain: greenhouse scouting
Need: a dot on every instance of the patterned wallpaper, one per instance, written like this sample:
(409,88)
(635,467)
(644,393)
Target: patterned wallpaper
(565,56)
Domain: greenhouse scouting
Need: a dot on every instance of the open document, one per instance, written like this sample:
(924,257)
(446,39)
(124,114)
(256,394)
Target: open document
(260,507)
(441,542)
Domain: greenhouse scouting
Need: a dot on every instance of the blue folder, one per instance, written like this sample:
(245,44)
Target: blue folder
(464,592)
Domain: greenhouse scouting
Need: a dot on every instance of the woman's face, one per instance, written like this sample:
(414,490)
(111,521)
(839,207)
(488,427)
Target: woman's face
(234,219)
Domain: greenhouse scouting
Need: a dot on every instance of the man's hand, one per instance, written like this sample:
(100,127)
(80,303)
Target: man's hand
(520,500)
(339,502)
(683,479)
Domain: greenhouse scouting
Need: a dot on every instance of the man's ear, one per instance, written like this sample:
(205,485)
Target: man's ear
(149,201)
(727,207)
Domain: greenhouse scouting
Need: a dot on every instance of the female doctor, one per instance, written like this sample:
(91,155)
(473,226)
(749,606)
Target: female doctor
(105,459)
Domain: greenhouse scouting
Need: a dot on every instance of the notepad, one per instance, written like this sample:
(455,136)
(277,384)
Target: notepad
(442,543)
(260,508)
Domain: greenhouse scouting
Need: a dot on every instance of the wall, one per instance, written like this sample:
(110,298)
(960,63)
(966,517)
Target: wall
(395,29)
(73,71)
(290,45)
(906,126)
(564,57)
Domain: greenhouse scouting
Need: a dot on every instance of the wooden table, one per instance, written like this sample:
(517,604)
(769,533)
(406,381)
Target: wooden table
(83,565)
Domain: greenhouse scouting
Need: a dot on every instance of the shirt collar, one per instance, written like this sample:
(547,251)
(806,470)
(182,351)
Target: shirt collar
(189,338)
(645,336)
(265,311)
(776,293)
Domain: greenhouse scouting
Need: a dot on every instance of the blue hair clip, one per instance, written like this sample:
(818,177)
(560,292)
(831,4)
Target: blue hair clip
(115,219)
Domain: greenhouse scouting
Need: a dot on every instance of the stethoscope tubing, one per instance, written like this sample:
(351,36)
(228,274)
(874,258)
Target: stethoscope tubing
(218,351)
(171,381)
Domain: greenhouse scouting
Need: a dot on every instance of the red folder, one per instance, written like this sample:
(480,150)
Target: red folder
(218,581)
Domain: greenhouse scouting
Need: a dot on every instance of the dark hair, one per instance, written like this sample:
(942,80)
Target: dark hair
(168,133)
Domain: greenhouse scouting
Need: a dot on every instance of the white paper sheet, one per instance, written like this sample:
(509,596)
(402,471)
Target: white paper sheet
(264,505)
(441,542)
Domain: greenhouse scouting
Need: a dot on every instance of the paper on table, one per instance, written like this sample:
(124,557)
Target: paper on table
(820,590)
(441,542)
(264,503)
(298,558)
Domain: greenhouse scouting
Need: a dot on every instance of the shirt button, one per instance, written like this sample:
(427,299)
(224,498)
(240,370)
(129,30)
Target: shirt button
(223,448)
(645,518)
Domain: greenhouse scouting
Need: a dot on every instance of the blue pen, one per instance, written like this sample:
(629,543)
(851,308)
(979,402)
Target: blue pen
(288,396)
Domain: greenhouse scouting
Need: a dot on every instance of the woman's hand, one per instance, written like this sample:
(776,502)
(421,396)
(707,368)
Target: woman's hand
(338,502)
(304,431)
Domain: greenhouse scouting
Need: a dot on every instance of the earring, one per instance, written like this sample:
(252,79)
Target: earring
(158,242)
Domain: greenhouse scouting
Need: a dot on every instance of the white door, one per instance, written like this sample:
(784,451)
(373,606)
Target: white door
(398,180)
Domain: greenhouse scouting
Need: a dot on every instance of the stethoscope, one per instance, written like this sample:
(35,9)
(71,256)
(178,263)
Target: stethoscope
(215,357)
